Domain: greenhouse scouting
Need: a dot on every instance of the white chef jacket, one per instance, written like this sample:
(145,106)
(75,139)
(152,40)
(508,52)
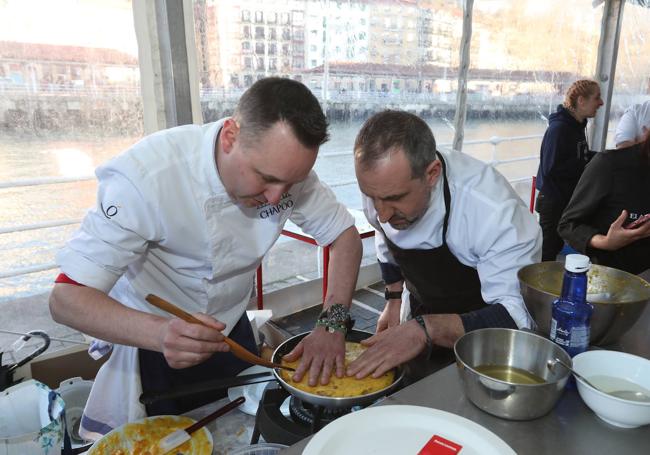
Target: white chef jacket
(165,225)
(630,126)
(490,229)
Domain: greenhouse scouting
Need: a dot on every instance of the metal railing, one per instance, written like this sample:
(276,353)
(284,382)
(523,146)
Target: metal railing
(27,89)
(494,161)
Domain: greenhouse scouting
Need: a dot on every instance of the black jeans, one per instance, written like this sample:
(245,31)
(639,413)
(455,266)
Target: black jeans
(157,375)
(550,213)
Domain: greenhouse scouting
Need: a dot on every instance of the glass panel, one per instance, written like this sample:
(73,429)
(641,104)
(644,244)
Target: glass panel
(524,55)
(632,83)
(69,100)
(357,57)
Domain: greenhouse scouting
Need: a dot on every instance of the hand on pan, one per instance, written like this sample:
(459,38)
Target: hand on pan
(322,354)
(184,344)
(388,349)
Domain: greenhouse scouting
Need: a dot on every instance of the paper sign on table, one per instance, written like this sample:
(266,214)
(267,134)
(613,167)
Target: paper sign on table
(438,445)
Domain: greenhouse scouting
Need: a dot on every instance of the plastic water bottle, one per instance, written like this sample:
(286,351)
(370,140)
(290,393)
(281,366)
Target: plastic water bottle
(571,315)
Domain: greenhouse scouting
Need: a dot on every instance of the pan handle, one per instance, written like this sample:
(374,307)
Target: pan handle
(207,386)
(37,352)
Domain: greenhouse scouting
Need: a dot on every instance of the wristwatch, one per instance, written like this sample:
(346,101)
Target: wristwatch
(335,319)
(392,295)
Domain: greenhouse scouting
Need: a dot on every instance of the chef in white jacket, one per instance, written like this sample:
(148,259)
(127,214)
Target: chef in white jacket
(188,214)
(451,229)
(633,125)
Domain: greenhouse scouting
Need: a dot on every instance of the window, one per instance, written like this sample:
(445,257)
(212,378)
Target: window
(259,17)
(272,49)
(632,84)
(273,33)
(245,46)
(298,18)
(84,110)
(259,48)
(246,31)
(260,64)
(259,32)
(245,16)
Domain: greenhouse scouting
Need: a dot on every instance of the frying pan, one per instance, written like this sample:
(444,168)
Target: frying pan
(331,402)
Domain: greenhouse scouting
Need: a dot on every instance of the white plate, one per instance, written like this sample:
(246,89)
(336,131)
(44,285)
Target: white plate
(402,429)
(253,393)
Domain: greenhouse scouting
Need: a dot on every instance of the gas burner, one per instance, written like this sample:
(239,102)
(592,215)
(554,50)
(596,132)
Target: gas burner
(305,419)
(313,415)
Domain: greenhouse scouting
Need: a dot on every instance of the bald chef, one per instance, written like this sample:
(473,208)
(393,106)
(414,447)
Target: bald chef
(448,226)
(188,214)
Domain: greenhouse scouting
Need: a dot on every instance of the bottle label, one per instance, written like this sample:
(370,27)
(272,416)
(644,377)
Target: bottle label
(580,337)
(560,335)
(552,335)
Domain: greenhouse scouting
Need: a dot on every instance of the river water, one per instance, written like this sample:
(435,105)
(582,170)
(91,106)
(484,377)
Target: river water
(51,156)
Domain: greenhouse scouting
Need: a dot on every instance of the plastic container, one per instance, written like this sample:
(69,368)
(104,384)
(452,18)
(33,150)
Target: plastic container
(571,313)
(75,392)
(266,448)
(31,420)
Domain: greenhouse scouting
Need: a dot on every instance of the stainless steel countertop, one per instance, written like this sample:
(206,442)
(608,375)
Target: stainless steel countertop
(570,428)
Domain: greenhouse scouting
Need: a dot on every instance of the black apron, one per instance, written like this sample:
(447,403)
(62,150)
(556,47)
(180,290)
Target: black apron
(157,375)
(437,281)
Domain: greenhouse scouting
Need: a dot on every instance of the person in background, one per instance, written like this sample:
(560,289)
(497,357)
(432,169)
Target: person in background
(633,125)
(563,156)
(188,214)
(605,217)
(449,227)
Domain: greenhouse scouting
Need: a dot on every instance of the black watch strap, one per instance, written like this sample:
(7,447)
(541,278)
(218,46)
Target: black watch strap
(391,295)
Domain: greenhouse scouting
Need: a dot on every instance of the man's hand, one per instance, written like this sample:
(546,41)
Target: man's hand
(618,237)
(322,353)
(390,317)
(388,349)
(184,344)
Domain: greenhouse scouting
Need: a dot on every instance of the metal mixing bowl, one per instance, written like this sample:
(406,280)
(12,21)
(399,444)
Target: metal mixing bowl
(512,348)
(618,297)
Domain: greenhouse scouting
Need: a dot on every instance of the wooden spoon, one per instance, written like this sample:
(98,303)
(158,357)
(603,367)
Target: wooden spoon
(236,348)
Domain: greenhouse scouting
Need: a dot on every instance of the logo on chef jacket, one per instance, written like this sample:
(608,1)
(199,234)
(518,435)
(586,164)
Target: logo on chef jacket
(110,211)
(267,210)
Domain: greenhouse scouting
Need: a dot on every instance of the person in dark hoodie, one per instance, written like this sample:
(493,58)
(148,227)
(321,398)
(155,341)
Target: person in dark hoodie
(605,217)
(563,156)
